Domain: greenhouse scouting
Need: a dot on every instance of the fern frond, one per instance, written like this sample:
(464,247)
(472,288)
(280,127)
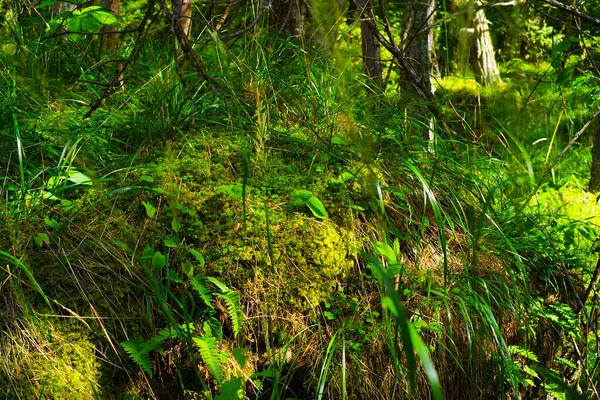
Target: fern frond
(207,345)
(218,284)
(138,351)
(214,327)
(199,285)
(234,309)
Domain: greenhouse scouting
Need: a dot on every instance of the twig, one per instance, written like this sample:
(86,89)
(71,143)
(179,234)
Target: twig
(117,80)
(187,49)
(573,11)
(404,64)
(241,31)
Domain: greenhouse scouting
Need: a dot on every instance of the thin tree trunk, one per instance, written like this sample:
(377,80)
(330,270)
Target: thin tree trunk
(417,43)
(371,48)
(290,17)
(183,13)
(483,59)
(594,184)
(112,40)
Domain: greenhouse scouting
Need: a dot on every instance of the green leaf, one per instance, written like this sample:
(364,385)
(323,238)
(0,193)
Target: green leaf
(199,284)
(48,195)
(213,327)
(317,208)
(158,261)
(46,3)
(218,284)
(170,242)
(385,250)
(231,389)
(564,76)
(566,362)
(530,371)
(595,246)
(176,225)
(305,197)
(301,197)
(514,349)
(67,204)
(338,140)
(240,356)
(42,240)
(198,256)
(148,252)
(79,179)
(188,268)
(329,315)
(234,309)
(150,209)
(174,276)
(51,222)
(561,47)
(396,246)
(147,178)
(346,176)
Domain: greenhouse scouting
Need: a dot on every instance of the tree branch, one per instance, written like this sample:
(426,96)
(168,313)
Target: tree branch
(241,31)
(573,11)
(186,47)
(118,80)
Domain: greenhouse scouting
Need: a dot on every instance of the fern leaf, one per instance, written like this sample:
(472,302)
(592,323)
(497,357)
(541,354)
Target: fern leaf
(199,285)
(138,351)
(218,284)
(234,308)
(207,345)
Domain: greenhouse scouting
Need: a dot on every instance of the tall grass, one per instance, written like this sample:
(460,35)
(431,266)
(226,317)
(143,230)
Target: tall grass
(452,291)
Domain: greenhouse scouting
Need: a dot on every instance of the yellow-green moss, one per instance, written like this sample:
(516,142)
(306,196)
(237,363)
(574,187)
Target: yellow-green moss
(56,364)
(312,256)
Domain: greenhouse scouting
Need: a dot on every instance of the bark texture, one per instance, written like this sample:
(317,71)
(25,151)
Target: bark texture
(290,17)
(183,13)
(112,40)
(483,57)
(371,48)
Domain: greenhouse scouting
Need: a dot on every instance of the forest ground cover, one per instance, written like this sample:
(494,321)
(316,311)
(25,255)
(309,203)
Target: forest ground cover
(296,236)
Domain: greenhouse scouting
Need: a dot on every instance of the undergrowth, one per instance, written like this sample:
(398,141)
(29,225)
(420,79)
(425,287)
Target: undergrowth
(288,239)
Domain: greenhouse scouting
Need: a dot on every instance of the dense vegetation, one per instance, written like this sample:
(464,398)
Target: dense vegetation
(299,199)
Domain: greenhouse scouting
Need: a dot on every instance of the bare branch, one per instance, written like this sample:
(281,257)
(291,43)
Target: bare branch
(186,47)
(573,11)
(241,31)
(118,80)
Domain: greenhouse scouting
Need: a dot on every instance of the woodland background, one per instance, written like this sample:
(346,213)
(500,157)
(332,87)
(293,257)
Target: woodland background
(299,199)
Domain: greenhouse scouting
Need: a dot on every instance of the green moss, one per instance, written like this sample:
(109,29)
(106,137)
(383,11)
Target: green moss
(58,364)
(309,255)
